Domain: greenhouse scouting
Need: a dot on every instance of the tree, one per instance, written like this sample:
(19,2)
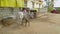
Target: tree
(50,5)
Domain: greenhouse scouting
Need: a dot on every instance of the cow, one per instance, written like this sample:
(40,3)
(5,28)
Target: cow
(24,17)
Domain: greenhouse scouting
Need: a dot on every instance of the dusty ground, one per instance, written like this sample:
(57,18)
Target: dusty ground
(48,24)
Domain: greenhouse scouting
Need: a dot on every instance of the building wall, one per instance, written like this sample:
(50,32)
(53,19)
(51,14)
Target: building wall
(36,5)
(8,12)
(11,3)
(29,4)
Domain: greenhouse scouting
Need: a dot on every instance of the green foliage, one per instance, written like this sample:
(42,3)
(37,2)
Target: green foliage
(58,9)
(50,6)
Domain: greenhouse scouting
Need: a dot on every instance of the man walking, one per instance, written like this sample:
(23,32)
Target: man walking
(26,17)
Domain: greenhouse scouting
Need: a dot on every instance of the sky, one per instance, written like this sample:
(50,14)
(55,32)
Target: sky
(57,3)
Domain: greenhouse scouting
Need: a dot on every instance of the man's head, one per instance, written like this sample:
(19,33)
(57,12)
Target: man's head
(24,9)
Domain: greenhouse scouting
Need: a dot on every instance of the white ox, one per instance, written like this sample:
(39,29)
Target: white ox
(24,18)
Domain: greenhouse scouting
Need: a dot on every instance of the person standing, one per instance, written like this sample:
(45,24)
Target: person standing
(26,17)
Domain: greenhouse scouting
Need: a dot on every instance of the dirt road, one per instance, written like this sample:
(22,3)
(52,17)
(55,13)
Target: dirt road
(42,25)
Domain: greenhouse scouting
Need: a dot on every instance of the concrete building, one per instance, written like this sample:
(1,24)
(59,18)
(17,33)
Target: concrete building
(33,4)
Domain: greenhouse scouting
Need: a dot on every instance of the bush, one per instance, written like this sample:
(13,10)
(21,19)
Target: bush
(58,9)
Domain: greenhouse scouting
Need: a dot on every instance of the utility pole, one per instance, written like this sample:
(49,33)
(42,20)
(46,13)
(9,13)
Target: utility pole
(48,5)
(25,3)
(33,4)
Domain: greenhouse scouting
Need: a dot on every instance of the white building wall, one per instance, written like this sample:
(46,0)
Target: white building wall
(36,5)
(29,4)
